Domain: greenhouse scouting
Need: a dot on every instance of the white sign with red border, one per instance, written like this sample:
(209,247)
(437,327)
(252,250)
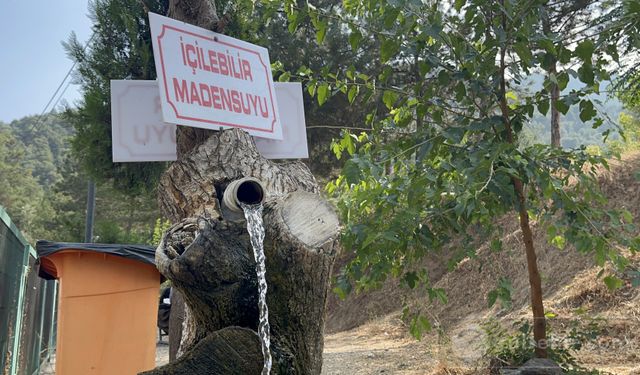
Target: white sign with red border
(209,80)
(139,133)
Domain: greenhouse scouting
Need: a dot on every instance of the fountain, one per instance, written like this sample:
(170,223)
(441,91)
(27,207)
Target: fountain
(209,258)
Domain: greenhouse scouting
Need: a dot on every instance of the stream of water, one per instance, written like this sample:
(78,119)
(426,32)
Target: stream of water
(253,214)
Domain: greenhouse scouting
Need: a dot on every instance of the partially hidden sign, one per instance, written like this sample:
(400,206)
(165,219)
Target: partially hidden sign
(137,130)
(140,134)
(209,80)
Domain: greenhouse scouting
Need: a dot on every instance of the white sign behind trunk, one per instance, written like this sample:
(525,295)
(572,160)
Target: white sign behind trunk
(140,134)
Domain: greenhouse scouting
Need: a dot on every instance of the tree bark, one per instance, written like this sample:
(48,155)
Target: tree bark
(223,352)
(175,323)
(210,262)
(192,185)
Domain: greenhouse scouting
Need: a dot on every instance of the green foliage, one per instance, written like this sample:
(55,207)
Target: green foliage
(159,228)
(502,293)
(621,35)
(120,49)
(44,189)
(513,347)
(31,152)
(444,152)
(20,193)
(574,132)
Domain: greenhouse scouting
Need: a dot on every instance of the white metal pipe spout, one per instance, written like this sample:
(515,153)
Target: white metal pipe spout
(247,190)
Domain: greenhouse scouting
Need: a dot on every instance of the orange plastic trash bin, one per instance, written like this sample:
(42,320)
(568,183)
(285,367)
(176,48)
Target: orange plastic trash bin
(107,307)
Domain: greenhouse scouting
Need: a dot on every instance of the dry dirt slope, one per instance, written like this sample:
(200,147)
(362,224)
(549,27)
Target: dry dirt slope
(382,346)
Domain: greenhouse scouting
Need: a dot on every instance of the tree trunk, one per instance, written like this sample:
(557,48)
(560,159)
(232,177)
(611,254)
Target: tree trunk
(554,90)
(192,185)
(555,114)
(535,283)
(210,262)
(175,323)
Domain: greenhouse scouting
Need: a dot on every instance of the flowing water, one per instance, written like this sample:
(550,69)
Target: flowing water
(253,214)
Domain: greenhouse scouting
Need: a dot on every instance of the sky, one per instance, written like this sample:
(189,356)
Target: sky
(32,60)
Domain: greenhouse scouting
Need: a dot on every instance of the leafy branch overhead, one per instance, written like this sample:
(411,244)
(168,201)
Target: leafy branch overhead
(444,156)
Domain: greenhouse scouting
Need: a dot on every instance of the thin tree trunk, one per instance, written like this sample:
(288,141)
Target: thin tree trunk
(535,284)
(554,91)
(555,114)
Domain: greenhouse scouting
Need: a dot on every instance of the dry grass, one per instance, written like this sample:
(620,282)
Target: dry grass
(572,291)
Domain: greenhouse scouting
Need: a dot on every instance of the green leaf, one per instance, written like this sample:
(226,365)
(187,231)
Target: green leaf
(321,31)
(559,242)
(613,282)
(421,154)
(312,88)
(434,30)
(547,45)
(351,172)
(563,80)
(390,17)
(354,39)
(388,49)
(353,92)
(389,98)
(343,287)
(444,78)
(587,112)
(411,278)
(496,245)
(562,107)
(284,77)
(524,52)
(585,49)
(459,4)
(585,73)
(502,292)
(564,55)
(340,293)
(419,325)
(461,91)
(492,297)
(437,294)
(323,93)
(294,21)
(543,106)
(480,125)
(454,134)
(627,216)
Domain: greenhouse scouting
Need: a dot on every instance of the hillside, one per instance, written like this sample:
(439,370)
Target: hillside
(572,292)
(44,189)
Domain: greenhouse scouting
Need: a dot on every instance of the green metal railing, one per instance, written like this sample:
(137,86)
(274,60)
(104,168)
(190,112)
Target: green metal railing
(27,304)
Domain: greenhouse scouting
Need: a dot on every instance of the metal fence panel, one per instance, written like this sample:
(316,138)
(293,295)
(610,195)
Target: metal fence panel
(12,267)
(27,305)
